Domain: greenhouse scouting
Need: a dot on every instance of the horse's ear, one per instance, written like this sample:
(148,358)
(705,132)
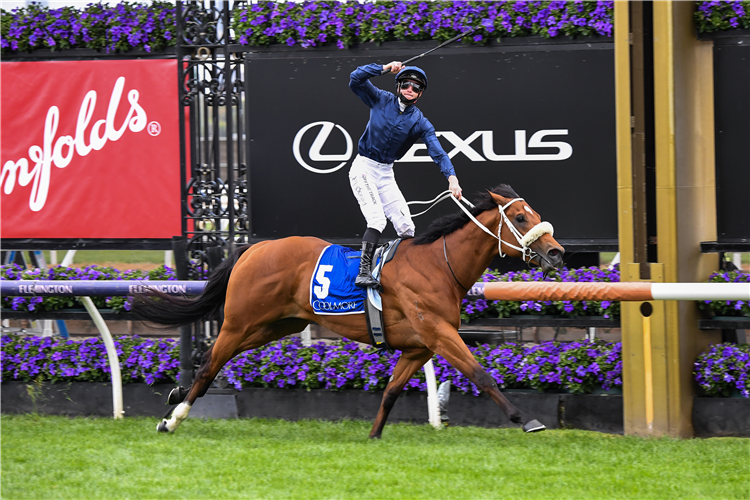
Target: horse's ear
(500,200)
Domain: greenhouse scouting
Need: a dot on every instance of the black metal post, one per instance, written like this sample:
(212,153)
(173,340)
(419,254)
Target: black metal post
(179,248)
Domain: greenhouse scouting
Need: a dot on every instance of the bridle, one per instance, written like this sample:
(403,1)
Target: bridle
(524,240)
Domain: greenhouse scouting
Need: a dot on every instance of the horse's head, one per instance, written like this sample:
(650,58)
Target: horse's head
(523,234)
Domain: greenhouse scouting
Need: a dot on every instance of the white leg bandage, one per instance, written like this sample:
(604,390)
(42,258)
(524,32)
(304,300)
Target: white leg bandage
(178,415)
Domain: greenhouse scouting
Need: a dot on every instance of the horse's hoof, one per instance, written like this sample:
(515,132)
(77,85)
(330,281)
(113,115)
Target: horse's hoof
(177,396)
(533,426)
(162,426)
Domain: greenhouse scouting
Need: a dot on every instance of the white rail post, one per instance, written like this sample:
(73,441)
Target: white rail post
(109,344)
(591,335)
(68,259)
(47,330)
(114,362)
(306,336)
(433,410)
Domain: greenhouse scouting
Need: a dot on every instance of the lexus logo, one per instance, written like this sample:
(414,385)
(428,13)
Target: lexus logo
(317,145)
(485,138)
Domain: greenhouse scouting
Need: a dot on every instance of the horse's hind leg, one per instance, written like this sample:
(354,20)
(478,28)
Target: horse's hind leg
(406,367)
(229,343)
(268,333)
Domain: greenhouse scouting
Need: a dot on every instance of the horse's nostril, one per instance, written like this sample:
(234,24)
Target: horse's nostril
(555,255)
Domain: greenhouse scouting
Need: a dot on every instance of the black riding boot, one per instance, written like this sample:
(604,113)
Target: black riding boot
(364,278)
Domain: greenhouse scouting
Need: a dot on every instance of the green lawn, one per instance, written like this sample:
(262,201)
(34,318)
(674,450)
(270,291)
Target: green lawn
(57,457)
(104,257)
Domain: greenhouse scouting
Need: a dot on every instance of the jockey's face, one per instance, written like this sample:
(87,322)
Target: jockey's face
(410,89)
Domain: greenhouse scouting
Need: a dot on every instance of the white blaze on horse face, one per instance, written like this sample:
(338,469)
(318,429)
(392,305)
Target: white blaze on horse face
(527,209)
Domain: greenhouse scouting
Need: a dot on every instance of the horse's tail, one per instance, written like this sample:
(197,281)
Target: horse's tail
(163,309)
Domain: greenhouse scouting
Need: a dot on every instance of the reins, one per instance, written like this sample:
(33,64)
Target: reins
(445,252)
(524,241)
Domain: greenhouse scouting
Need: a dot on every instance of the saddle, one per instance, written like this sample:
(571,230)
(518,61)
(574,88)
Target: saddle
(374,303)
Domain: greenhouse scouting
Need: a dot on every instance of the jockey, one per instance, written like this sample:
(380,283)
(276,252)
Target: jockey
(395,125)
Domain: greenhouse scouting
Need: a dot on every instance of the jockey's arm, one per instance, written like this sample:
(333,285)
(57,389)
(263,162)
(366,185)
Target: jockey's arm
(439,156)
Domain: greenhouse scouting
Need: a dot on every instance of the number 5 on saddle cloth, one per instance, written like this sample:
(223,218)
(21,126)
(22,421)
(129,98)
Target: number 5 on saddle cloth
(332,288)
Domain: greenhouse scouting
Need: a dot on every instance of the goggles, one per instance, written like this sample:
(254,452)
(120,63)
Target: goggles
(405,84)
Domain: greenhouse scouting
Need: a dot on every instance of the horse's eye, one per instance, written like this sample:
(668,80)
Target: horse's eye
(520,219)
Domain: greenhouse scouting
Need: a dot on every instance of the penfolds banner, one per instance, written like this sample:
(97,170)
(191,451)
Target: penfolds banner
(90,149)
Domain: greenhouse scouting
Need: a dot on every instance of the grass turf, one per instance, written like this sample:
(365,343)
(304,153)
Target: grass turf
(58,457)
(109,257)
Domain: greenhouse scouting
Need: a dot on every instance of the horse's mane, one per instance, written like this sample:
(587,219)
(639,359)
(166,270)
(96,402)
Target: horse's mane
(450,223)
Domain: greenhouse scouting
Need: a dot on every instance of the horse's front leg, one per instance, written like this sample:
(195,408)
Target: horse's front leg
(407,365)
(450,345)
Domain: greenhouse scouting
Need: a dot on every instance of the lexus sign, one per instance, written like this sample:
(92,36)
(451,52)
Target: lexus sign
(459,145)
(540,118)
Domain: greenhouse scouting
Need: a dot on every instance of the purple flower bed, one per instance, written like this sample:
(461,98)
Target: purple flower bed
(122,27)
(151,27)
(52,359)
(727,307)
(36,304)
(310,24)
(722,15)
(724,368)
(578,367)
(472,309)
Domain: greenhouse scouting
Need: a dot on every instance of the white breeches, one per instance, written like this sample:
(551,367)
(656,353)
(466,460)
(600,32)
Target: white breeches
(379,197)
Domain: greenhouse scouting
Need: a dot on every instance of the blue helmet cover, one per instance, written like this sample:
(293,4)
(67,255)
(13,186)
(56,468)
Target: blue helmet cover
(412,73)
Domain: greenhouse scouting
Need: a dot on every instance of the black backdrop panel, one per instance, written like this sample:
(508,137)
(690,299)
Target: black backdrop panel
(499,97)
(732,115)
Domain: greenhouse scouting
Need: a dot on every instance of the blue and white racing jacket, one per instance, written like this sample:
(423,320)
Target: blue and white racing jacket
(390,132)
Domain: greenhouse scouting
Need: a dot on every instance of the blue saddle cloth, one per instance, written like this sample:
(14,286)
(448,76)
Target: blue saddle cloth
(332,288)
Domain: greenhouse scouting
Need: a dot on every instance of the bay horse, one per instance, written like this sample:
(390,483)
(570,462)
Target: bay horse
(265,292)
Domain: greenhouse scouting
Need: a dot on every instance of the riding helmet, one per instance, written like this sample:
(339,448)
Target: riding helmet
(412,73)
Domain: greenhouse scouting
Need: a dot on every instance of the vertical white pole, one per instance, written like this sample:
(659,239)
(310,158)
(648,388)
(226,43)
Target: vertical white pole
(615,261)
(306,336)
(53,257)
(68,260)
(47,330)
(40,261)
(109,344)
(168,258)
(114,362)
(737,260)
(433,410)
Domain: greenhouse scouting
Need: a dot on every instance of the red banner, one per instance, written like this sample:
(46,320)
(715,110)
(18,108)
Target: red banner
(90,149)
